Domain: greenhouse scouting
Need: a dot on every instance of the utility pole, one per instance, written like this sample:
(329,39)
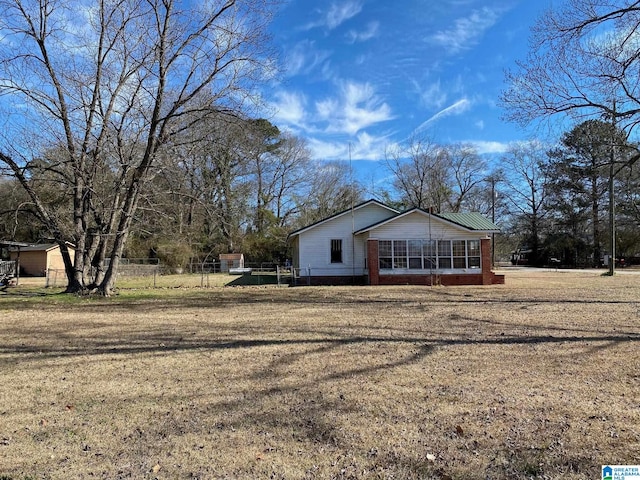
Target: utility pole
(612,203)
(493,220)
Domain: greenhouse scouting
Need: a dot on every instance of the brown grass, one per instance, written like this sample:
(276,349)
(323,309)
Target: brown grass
(538,378)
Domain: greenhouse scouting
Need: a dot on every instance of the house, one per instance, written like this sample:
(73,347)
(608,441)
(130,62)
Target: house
(35,260)
(375,244)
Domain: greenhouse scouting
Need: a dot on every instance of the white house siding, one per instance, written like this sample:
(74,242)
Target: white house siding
(416,226)
(314,245)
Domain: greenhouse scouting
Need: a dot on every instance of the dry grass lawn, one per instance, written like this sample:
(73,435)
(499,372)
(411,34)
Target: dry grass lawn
(538,378)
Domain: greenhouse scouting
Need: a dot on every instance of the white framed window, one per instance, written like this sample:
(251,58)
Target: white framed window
(459,251)
(444,254)
(385,254)
(473,253)
(428,254)
(399,254)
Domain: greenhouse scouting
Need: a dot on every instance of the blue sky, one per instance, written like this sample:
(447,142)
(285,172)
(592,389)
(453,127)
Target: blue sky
(367,74)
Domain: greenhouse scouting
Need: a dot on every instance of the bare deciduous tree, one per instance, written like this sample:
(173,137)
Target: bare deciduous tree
(583,62)
(420,169)
(107,83)
(525,189)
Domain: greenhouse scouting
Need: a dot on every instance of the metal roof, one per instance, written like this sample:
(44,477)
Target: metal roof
(42,247)
(10,243)
(471,220)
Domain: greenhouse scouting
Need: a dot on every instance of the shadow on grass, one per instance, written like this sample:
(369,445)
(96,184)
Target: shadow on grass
(253,279)
(312,406)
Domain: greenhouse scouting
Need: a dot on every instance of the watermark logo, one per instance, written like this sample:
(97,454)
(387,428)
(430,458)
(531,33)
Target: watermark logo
(621,472)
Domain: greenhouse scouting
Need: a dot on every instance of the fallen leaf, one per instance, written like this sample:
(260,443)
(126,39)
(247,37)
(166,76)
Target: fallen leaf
(459,430)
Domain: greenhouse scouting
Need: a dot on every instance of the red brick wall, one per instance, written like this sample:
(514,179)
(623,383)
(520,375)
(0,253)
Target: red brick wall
(447,280)
(372,262)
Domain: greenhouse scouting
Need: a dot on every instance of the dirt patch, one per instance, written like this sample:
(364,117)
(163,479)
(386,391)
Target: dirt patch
(537,378)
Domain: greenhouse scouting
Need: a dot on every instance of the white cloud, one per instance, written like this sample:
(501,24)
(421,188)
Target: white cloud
(364,35)
(304,58)
(340,12)
(457,108)
(466,31)
(290,108)
(356,108)
(488,147)
(363,147)
(432,95)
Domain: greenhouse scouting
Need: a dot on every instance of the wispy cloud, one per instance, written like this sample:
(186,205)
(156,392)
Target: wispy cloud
(362,147)
(466,31)
(356,108)
(304,57)
(290,108)
(457,108)
(488,147)
(362,36)
(340,12)
(432,95)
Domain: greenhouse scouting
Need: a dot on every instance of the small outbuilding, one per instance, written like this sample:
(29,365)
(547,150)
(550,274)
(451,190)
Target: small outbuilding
(231,261)
(35,260)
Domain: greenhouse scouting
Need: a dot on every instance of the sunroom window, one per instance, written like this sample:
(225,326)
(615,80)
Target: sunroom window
(444,254)
(473,253)
(385,254)
(399,254)
(459,254)
(428,254)
(415,254)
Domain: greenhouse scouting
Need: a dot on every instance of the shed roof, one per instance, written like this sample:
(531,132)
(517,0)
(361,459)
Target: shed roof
(43,247)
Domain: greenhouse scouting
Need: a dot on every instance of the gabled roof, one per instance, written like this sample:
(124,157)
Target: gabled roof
(471,221)
(344,212)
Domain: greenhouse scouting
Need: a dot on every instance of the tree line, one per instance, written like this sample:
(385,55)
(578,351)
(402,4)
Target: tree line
(131,131)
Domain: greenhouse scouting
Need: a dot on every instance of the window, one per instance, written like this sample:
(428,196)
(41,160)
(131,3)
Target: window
(399,254)
(415,254)
(429,254)
(336,251)
(473,253)
(459,254)
(444,254)
(385,254)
